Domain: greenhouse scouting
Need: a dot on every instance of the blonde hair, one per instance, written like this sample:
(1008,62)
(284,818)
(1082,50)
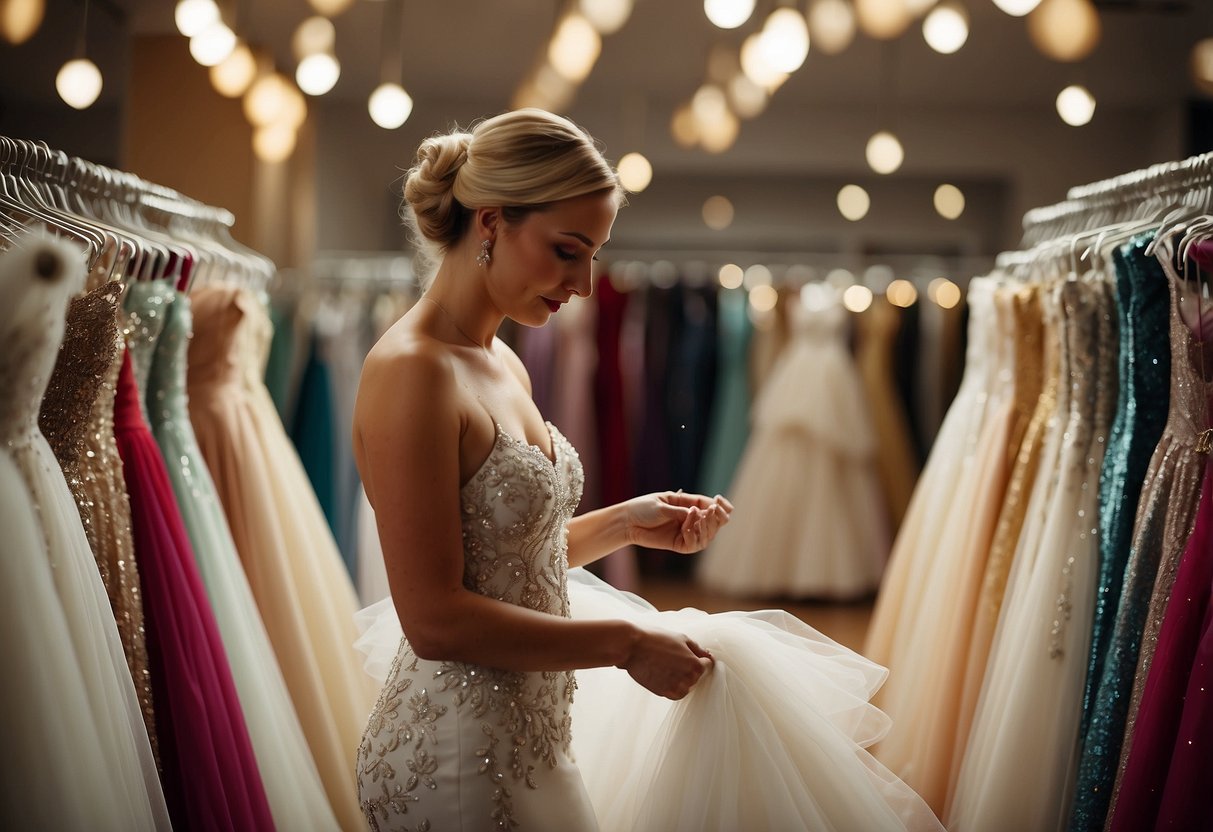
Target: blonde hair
(520,161)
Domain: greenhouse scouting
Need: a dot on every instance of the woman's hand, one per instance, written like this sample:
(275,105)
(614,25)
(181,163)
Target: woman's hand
(682,523)
(668,664)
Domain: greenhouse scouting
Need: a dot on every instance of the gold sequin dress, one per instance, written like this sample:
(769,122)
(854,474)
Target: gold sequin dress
(77,418)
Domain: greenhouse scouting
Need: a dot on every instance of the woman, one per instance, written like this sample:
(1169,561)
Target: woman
(474,496)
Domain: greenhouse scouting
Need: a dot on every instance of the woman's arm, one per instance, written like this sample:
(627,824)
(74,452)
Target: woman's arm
(408,430)
(671,520)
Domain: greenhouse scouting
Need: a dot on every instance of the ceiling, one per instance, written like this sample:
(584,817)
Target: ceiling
(484,48)
(981,109)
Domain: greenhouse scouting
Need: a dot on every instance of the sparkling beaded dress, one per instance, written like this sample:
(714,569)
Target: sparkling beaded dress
(1165,515)
(77,418)
(210,775)
(72,725)
(809,520)
(772,738)
(301,586)
(292,784)
(1141,414)
(1180,597)
(1020,760)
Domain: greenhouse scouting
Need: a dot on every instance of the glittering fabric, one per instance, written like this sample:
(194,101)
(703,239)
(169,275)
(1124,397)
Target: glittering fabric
(1164,521)
(1141,412)
(1183,455)
(80,369)
(93,346)
(1027,462)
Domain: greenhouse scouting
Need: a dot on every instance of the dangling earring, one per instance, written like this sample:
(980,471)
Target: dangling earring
(483,258)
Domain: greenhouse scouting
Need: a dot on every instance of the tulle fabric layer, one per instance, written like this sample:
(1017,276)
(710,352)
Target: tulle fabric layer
(210,772)
(94,709)
(773,737)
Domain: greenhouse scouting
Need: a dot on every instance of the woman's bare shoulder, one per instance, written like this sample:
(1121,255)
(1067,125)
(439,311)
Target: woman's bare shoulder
(406,370)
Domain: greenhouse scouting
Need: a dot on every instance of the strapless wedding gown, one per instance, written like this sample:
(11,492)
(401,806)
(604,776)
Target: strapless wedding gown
(773,737)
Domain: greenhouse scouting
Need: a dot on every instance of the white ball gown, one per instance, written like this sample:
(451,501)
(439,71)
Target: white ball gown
(76,750)
(810,519)
(773,737)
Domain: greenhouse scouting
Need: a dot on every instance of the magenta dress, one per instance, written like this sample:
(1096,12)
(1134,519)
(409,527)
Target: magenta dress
(210,776)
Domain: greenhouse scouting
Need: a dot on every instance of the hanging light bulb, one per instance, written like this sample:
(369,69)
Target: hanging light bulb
(607,16)
(857,298)
(1065,30)
(1017,8)
(719,135)
(574,48)
(731,276)
(19,19)
(708,104)
(784,40)
(1076,105)
(684,128)
(390,106)
(764,297)
(718,214)
(884,152)
(754,64)
(946,28)
(635,172)
(746,98)
(728,14)
(883,19)
(318,73)
(944,292)
(853,202)
(949,202)
(232,76)
(315,34)
(79,83)
(1202,65)
(192,16)
(831,25)
(267,100)
(901,292)
(214,43)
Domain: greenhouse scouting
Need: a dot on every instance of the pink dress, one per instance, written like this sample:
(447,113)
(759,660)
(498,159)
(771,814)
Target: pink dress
(210,776)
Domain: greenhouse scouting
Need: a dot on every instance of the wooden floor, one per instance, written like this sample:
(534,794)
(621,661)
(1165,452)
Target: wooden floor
(845,622)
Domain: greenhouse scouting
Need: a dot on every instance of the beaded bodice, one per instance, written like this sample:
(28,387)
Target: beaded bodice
(515,512)
(147,304)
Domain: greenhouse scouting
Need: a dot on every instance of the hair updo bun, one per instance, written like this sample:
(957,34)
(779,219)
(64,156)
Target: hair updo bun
(520,161)
(429,188)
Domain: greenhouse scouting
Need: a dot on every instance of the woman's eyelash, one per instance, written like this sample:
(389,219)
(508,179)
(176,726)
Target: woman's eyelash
(564,255)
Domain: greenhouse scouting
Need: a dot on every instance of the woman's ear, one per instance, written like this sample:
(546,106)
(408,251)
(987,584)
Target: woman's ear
(487,221)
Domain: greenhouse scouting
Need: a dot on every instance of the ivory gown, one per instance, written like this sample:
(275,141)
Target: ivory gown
(772,737)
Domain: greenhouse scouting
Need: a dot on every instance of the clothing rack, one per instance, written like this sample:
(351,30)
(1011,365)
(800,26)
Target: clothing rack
(1138,194)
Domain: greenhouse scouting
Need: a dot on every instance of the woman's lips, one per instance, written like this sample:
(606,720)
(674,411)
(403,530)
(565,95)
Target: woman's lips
(554,305)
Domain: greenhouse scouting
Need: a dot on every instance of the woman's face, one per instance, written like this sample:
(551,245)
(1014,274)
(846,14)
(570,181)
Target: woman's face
(539,263)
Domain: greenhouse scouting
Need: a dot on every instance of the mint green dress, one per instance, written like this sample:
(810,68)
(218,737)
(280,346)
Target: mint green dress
(292,783)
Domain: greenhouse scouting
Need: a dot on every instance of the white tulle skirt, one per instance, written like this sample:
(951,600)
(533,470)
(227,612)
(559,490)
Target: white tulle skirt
(773,737)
